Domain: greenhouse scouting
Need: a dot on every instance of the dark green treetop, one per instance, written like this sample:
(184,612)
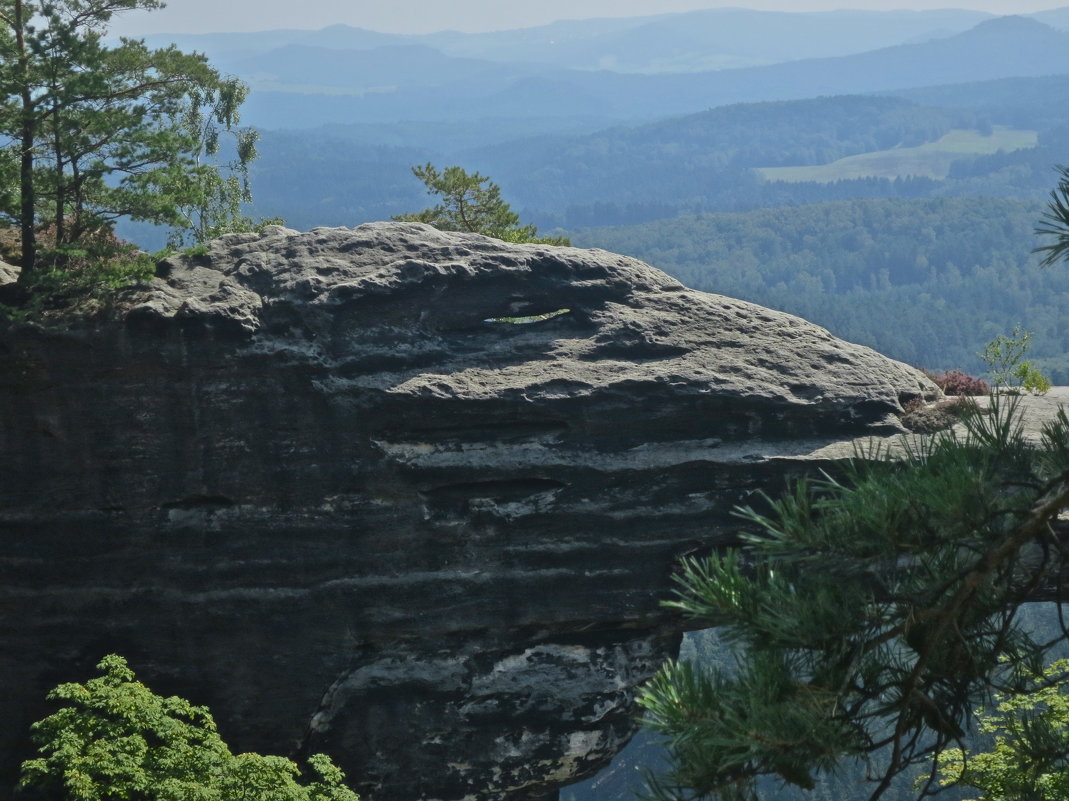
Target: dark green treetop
(472,202)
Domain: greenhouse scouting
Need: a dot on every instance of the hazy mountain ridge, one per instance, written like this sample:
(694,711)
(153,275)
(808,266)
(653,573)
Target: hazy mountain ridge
(757,36)
(304,85)
(381,69)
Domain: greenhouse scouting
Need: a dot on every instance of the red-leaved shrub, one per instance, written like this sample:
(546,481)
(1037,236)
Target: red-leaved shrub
(955,382)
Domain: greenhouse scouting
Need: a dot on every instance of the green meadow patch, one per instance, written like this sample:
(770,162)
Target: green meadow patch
(930,160)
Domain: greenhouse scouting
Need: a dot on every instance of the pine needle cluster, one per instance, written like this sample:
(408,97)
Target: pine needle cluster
(867,613)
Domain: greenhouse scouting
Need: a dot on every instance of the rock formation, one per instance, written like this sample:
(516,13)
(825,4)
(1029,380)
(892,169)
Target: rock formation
(9,274)
(408,497)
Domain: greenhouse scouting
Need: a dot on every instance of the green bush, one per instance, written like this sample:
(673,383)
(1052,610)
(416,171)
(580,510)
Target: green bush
(1031,379)
(115,739)
(1004,356)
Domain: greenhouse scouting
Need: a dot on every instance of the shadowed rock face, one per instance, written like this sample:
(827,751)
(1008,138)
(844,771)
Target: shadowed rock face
(316,482)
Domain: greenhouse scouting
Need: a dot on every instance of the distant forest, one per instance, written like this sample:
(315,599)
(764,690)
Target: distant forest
(684,165)
(927,281)
(924,270)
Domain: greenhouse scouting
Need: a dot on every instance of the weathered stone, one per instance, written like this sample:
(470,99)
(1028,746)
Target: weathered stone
(9,273)
(316,482)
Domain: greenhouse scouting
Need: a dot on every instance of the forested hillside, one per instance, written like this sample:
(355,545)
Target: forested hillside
(707,161)
(927,281)
(700,161)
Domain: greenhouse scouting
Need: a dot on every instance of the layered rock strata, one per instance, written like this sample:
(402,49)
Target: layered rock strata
(408,497)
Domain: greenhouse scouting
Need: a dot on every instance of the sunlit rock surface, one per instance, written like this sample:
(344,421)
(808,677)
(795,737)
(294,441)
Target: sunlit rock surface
(319,482)
(9,274)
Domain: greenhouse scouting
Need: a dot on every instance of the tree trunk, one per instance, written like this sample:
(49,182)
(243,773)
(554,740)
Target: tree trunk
(27,198)
(61,187)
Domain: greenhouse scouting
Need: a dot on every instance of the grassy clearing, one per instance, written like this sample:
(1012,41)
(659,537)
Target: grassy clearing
(931,160)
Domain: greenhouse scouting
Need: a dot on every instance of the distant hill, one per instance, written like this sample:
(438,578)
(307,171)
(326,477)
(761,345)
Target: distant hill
(997,48)
(927,281)
(307,69)
(709,39)
(1038,102)
(685,161)
(343,175)
(449,88)
(1055,17)
(705,161)
(681,42)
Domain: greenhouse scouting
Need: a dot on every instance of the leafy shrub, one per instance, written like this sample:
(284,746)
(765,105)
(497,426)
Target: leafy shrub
(1031,736)
(115,739)
(1005,358)
(1031,379)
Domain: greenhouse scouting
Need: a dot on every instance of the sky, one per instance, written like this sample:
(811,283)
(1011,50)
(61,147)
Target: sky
(425,16)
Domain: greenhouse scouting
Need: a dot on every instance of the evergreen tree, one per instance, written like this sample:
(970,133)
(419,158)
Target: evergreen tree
(869,613)
(472,203)
(1055,222)
(100,132)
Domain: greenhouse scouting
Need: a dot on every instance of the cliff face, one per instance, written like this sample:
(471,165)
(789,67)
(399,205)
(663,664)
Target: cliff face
(316,482)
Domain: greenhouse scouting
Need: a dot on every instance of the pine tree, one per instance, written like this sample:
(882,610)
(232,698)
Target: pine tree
(101,132)
(867,613)
(472,202)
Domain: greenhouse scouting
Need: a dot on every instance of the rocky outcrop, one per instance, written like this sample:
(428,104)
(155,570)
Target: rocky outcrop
(408,497)
(9,273)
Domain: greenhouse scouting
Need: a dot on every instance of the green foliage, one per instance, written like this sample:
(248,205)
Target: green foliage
(1055,222)
(1031,379)
(215,208)
(1030,757)
(82,274)
(73,274)
(9,183)
(199,249)
(472,203)
(1003,354)
(85,270)
(1004,357)
(867,614)
(103,131)
(115,739)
